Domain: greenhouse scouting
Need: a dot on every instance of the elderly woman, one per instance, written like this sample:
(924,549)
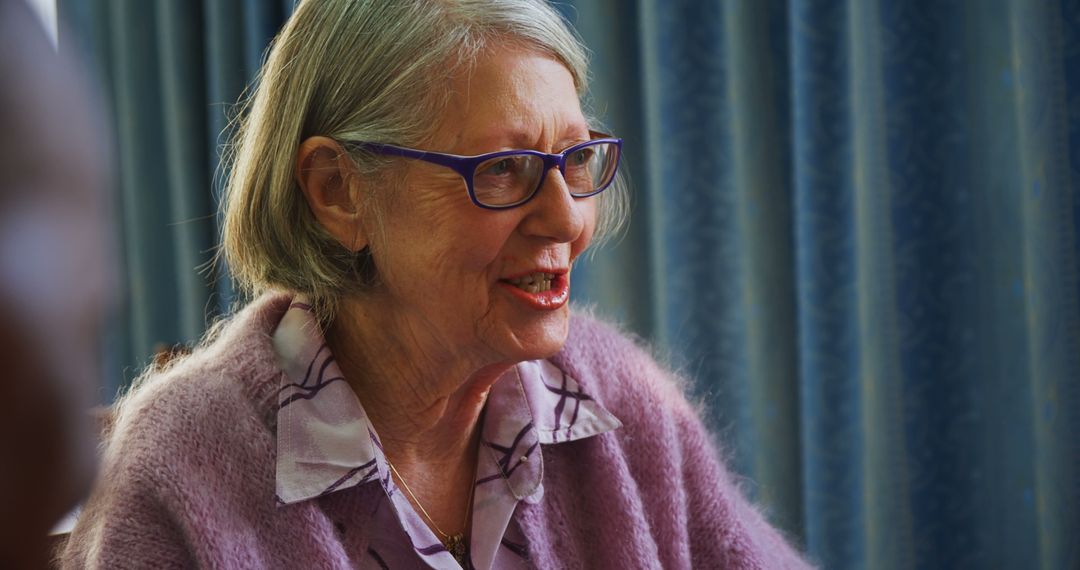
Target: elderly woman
(411,185)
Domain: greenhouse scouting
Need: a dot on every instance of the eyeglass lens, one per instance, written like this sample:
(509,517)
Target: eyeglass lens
(510,179)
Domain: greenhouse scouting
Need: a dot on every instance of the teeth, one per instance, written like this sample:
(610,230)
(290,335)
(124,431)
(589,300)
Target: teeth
(537,282)
(532,278)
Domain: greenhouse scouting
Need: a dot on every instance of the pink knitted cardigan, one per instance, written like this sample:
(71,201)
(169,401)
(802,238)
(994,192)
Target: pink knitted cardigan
(189,473)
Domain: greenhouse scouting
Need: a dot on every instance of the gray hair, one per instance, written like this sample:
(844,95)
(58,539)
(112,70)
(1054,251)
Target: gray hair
(360,70)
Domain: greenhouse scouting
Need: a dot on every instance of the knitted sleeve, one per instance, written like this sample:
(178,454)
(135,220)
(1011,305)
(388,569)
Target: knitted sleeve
(168,493)
(125,527)
(127,521)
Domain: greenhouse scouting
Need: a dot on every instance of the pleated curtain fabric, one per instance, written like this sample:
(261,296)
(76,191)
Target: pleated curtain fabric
(854,228)
(172,72)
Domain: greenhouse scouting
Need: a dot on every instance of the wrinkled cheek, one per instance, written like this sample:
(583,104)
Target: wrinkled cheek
(581,244)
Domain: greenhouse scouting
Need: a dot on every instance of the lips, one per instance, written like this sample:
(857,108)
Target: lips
(536,282)
(540,289)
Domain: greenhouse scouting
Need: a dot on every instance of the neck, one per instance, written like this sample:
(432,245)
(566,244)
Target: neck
(423,400)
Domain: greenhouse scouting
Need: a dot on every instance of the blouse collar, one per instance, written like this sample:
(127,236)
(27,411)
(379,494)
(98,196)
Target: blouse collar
(326,443)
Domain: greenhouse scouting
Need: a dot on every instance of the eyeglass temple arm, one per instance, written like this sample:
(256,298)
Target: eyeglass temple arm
(461,164)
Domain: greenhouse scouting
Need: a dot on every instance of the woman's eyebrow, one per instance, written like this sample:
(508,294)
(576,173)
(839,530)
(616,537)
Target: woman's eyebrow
(522,139)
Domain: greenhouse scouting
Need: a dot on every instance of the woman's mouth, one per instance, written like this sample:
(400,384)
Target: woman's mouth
(541,290)
(537,282)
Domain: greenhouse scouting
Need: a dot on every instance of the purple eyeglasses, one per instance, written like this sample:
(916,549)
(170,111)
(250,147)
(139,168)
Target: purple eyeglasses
(510,178)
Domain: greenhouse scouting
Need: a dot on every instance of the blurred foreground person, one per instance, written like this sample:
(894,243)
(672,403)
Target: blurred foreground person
(53,282)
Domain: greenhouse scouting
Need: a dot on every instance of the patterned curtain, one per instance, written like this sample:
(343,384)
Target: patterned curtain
(854,229)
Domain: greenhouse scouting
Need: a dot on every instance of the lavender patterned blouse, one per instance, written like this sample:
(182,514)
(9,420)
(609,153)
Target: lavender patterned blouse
(325,444)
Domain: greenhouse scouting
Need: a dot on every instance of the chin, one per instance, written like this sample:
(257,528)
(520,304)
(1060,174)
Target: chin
(541,338)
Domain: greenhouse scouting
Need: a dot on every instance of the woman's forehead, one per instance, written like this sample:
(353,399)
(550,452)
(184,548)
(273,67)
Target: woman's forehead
(513,98)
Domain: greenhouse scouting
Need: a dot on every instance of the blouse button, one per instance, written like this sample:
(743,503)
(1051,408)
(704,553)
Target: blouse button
(524,458)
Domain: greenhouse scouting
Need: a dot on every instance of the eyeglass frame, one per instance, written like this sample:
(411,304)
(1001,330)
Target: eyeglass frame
(466,165)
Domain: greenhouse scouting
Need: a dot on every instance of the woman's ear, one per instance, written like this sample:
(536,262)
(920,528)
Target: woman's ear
(327,177)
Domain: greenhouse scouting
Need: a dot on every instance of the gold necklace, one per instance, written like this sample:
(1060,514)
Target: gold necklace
(455,544)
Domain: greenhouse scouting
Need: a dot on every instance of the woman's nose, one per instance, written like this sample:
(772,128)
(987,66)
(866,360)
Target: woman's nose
(553,213)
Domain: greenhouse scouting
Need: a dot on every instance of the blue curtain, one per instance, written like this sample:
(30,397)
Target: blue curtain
(171,72)
(854,228)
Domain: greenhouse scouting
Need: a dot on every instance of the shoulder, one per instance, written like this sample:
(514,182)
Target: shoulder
(596,346)
(619,368)
(218,394)
(190,451)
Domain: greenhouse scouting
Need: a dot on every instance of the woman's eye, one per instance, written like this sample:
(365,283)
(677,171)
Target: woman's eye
(499,168)
(581,157)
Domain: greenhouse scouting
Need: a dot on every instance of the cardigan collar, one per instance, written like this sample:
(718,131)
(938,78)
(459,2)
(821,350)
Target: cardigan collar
(326,442)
